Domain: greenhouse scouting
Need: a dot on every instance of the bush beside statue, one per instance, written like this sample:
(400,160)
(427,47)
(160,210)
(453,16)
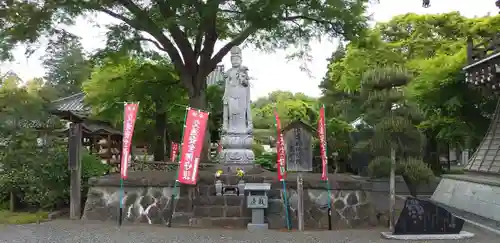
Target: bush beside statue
(38,177)
(414,172)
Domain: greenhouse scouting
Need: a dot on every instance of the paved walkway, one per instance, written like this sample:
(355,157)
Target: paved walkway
(60,231)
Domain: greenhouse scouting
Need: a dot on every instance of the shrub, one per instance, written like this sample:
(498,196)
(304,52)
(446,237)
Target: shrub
(414,171)
(267,161)
(417,172)
(380,167)
(257,149)
(40,177)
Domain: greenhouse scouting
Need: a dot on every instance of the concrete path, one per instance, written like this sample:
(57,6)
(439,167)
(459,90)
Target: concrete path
(60,231)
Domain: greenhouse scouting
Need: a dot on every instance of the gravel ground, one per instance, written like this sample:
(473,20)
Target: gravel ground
(76,231)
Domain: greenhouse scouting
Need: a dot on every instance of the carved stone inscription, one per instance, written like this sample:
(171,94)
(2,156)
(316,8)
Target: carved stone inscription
(298,149)
(425,217)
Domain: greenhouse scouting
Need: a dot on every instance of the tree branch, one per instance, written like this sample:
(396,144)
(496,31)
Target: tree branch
(210,37)
(235,42)
(319,21)
(145,23)
(152,41)
(178,35)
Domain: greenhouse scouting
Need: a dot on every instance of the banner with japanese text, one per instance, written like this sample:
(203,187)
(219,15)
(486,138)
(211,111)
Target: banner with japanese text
(174,149)
(322,144)
(280,150)
(130,115)
(192,144)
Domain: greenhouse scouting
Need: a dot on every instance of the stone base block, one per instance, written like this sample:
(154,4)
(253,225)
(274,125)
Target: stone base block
(222,222)
(257,227)
(473,193)
(462,235)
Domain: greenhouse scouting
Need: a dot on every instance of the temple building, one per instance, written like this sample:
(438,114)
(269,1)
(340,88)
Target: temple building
(216,77)
(477,192)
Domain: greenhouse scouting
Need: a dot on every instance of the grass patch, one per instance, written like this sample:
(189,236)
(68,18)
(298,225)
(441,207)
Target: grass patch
(7,217)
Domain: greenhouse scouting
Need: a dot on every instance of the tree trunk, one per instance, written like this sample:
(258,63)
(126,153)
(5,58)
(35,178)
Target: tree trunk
(412,187)
(160,129)
(448,156)
(431,156)
(392,191)
(198,100)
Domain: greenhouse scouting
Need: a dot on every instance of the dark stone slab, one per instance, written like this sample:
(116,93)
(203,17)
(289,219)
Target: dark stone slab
(425,217)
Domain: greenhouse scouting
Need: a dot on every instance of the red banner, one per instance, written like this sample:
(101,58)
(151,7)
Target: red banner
(174,149)
(322,144)
(192,144)
(130,115)
(280,150)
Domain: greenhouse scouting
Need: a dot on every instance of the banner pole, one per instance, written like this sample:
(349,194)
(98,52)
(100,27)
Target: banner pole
(121,195)
(125,163)
(120,213)
(287,216)
(176,183)
(327,179)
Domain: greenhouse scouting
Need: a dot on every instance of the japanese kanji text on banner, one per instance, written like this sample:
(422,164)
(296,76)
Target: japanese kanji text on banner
(322,144)
(192,144)
(280,150)
(173,151)
(130,115)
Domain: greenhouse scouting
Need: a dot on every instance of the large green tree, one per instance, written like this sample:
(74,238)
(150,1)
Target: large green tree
(151,82)
(65,63)
(432,48)
(187,31)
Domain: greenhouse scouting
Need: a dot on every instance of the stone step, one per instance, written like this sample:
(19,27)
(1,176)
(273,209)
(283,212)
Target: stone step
(220,222)
(219,201)
(221,211)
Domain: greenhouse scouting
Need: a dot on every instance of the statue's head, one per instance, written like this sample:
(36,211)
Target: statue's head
(236,56)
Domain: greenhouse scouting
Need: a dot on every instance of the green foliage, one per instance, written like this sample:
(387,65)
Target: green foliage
(65,64)
(417,172)
(430,50)
(413,169)
(39,176)
(188,31)
(258,149)
(380,167)
(267,161)
(215,107)
(339,137)
(36,173)
(386,109)
(289,106)
(7,217)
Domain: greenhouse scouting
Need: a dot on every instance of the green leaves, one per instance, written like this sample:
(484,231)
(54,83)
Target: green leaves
(153,83)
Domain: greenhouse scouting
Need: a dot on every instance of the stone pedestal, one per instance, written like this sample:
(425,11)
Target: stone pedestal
(237,152)
(472,192)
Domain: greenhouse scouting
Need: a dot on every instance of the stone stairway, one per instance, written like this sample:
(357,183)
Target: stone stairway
(220,211)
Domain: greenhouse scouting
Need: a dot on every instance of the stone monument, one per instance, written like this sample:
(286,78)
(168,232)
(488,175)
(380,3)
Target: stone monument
(237,125)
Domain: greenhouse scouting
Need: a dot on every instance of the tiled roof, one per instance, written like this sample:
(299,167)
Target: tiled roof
(73,104)
(487,156)
(96,127)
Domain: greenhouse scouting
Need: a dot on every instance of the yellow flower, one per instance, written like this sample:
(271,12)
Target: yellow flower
(240,172)
(218,173)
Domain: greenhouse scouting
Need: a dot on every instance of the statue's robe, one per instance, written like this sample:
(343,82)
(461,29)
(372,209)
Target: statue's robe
(236,101)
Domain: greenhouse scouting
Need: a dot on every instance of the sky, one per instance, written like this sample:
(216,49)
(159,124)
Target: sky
(269,71)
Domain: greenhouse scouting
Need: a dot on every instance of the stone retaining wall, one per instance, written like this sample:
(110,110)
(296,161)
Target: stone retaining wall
(148,201)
